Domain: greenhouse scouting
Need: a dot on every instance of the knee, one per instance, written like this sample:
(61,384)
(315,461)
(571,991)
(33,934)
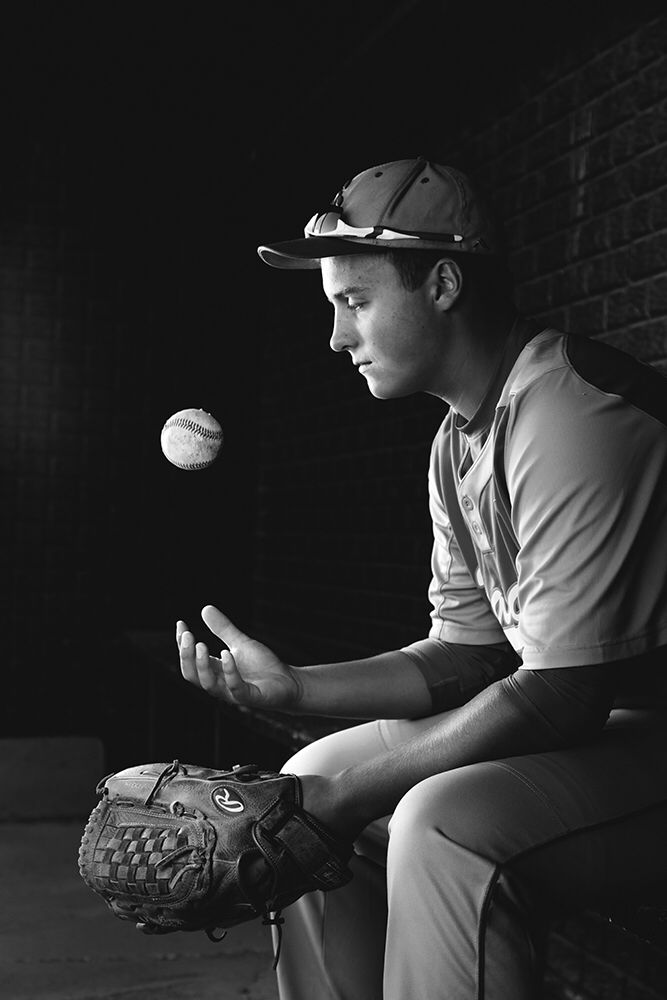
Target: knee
(298,763)
(422,808)
(458,807)
(319,757)
(338,750)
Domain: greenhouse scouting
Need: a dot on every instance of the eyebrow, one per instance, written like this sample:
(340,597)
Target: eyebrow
(349,290)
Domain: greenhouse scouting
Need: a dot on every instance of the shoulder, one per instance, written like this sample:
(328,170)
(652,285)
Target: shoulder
(559,373)
(580,411)
(615,373)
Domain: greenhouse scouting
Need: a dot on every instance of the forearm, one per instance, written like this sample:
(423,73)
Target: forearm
(455,672)
(424,678)
(519,715)
(486,728)
(385,686)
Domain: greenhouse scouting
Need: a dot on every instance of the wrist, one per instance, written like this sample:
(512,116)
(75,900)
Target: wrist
(297,679)
(327,798)
(310,698)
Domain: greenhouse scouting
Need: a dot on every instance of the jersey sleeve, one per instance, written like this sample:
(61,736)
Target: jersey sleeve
(460,610)
(587,477)
(455,672)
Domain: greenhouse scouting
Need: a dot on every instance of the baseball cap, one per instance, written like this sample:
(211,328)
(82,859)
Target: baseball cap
(406,204)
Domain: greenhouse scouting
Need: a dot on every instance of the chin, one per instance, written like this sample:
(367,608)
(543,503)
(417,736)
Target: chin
(384,386)
(389,392)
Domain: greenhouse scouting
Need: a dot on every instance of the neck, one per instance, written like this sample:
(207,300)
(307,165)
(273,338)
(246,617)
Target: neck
(478,344)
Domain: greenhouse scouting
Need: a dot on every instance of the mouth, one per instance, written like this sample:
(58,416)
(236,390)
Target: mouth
(362,364)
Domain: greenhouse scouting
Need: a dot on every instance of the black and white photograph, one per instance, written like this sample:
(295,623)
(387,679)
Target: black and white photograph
(333,493)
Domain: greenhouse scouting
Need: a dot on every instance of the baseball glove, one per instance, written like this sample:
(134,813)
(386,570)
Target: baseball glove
(177,847)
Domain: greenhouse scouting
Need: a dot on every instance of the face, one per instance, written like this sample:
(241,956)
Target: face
(394,336)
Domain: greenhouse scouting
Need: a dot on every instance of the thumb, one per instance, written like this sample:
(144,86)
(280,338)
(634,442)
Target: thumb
(221,626)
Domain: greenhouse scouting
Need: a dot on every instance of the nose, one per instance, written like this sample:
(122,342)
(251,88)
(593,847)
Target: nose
(342,335)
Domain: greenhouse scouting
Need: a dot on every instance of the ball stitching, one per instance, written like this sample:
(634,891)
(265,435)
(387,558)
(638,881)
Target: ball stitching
(190,425)
(191,465)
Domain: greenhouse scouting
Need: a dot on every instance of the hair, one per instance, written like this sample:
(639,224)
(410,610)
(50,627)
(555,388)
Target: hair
(486,274)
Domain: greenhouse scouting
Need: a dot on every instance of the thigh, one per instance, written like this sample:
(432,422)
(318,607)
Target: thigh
(355,745)
(332,753)
(611,800)
(578,825)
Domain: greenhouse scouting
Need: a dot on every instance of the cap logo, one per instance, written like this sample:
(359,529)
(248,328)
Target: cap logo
(226,801)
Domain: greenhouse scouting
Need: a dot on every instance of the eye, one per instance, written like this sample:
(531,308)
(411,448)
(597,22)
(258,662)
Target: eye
(354,306)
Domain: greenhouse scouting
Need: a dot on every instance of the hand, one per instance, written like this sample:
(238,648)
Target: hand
(247,672)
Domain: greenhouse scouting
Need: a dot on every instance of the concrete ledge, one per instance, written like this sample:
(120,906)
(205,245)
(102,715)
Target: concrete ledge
(49,778)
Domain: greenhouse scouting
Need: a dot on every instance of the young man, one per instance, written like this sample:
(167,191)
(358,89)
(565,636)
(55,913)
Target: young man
(516,786)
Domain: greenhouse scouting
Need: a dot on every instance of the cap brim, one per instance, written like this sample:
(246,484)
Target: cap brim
(305,254)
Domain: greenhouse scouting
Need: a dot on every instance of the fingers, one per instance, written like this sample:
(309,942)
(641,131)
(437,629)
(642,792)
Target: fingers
(221,626)
(181,630)
(241,691)
(205,671)
(186,649)
(208,671)
(196,665)
(218,677)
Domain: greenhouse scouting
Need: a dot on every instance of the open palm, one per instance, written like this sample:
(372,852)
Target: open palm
(248,672)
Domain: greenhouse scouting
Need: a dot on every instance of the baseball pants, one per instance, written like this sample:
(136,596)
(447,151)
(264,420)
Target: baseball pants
(451,896)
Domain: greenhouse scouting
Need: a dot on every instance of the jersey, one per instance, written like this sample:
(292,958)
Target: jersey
(561,483)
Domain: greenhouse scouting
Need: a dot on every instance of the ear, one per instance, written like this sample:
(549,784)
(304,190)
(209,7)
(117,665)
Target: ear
(447,283)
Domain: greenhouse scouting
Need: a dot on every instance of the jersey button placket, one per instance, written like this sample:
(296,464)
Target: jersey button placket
(469,510)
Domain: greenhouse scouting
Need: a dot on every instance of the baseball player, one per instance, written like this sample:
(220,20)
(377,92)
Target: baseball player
(517,764)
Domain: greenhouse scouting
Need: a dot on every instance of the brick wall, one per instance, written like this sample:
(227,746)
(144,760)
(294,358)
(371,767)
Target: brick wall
(573,157)
(577,173)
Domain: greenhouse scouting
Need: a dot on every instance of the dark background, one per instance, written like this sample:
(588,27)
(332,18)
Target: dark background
(146,151)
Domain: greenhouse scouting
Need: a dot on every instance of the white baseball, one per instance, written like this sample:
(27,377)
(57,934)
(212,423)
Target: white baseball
(191,439)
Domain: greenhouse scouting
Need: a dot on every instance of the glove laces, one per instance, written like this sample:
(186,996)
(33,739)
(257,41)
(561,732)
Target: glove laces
(277,921)
(165,775)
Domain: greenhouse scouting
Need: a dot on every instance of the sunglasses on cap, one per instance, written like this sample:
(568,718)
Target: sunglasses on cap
(330,223)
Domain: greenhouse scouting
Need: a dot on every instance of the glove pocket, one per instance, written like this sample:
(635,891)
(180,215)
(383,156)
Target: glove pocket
(149,864)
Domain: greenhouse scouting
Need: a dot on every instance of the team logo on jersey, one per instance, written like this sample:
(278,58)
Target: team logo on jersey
(506,607)
(226,800)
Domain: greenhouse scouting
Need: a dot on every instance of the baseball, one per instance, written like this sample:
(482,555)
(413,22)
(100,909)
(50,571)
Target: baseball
(191,439)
